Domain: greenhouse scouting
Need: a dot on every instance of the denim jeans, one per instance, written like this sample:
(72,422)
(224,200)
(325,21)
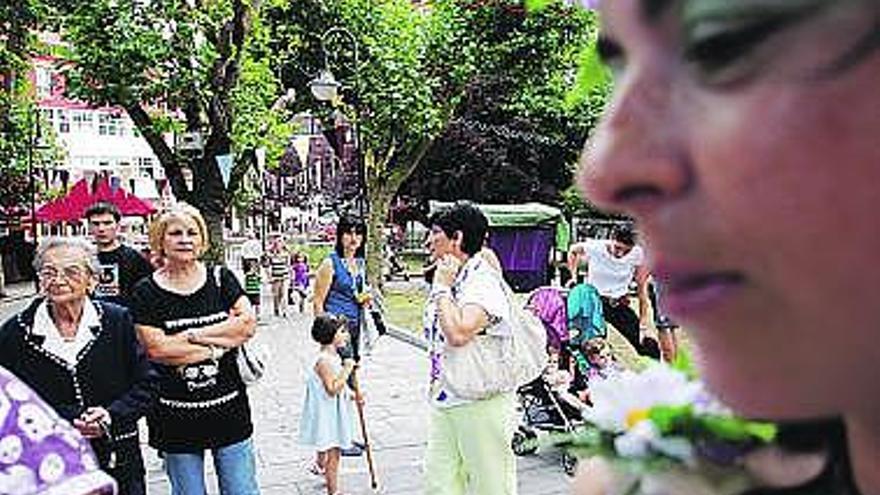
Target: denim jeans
(234,464)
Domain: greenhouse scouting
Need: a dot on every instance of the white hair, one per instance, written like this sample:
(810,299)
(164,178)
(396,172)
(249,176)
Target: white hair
(90,253)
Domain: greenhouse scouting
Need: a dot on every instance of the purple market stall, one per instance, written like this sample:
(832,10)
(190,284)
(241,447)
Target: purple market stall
(525,237)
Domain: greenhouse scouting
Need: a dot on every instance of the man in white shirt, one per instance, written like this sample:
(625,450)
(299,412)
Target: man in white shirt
(611,266)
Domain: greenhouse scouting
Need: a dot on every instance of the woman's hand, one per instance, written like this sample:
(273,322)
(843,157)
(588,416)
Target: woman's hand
(93,422)
(447,270)
(365,299)
(349,364)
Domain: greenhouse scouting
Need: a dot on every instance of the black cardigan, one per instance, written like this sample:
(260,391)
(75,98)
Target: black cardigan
(112,372)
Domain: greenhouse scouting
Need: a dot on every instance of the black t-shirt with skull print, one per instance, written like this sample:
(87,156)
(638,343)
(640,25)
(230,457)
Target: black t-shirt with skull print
(201,405)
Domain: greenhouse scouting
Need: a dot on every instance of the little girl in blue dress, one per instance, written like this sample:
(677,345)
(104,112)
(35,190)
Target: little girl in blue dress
(327,421)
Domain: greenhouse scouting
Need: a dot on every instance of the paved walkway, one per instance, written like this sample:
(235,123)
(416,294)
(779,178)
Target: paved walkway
(392,378)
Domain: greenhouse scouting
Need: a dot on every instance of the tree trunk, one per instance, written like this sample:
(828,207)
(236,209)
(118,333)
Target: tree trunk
(380,203)
(217,250)
(211,195)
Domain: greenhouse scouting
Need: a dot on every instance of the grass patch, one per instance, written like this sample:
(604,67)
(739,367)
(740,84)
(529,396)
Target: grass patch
(404,307)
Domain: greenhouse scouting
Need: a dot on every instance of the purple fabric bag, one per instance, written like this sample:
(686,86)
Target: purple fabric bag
(41,453)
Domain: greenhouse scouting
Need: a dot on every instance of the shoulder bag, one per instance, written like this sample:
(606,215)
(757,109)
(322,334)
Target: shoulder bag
(251,358)
(492,364)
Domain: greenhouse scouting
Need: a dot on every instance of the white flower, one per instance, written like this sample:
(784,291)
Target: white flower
(636,442)
(644,438)
(623,400)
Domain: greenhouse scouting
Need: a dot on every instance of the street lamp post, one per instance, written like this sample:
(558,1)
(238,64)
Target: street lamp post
(260,154)
(325,87)
(33,142)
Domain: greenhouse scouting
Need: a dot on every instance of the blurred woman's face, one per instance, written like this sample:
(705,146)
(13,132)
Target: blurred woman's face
(742,136)
(65,275)
(182,241)
(352,240)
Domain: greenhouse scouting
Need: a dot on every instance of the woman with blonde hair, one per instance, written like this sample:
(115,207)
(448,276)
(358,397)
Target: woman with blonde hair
(191,319)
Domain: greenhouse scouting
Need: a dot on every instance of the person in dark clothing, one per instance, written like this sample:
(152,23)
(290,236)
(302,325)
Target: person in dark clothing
(121,266)
(192,319)
(83,357)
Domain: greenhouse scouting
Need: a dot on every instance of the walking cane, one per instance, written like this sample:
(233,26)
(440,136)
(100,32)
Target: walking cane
(374,483)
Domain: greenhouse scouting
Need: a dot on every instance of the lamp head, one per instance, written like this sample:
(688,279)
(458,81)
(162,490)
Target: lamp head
(325,87)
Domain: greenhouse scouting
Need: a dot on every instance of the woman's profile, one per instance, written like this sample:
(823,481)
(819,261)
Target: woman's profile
(741,137)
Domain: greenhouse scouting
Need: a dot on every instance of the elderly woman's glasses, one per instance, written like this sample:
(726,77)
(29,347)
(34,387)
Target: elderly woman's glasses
(69,272)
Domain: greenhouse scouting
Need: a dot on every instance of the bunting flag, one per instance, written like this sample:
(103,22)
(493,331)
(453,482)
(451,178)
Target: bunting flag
(302,144)
(224,162)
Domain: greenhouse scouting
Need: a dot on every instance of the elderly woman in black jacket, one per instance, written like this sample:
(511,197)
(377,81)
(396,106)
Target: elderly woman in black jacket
(83,357)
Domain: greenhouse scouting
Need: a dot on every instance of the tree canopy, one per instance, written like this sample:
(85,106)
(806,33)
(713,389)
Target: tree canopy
(519,134)
(195,67)
(19,118)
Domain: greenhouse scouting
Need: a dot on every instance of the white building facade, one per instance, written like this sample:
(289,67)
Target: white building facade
(96,140)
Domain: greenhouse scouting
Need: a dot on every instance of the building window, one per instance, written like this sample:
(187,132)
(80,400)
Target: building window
(110,125)
(63,121)
(83,122)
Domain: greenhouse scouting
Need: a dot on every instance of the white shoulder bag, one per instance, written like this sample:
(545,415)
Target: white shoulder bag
(492,364)
(251,358)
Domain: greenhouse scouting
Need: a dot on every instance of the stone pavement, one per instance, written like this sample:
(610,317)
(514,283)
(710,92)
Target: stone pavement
(392,378)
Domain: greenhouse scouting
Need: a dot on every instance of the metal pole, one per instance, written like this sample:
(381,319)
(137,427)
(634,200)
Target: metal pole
(263,208)
(32,186)
(361,170)
(361,198)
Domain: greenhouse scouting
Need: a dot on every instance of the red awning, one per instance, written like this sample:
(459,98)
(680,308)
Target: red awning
(72,207)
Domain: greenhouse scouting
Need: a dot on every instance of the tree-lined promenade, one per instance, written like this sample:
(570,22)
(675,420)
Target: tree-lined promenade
(458,99)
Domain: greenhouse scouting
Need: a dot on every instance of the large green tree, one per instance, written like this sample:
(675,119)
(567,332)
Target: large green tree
(400,91)
(424,73)
(519,134)
(20,146)
(17,20)
(177,66)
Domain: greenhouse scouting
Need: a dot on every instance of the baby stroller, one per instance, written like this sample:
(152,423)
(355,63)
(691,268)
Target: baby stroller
(543,407)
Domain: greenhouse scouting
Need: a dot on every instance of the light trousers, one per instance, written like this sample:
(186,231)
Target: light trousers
(469,448)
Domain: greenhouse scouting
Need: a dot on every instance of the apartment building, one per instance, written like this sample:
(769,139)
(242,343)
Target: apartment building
(95,140)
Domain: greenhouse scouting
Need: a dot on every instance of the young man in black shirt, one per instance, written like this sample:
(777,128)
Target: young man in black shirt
(121,266)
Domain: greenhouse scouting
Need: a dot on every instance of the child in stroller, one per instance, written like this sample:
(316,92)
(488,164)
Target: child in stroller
(546,402)
(593,361)
(546,406)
